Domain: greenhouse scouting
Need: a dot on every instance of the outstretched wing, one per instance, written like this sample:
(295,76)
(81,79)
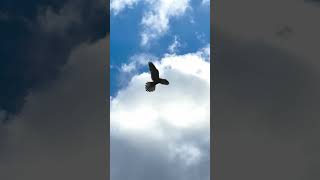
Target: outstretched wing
(154,72)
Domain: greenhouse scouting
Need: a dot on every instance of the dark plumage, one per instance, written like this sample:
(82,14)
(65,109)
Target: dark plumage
(151,86)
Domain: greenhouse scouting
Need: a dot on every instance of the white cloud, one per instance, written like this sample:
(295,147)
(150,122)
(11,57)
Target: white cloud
(205,2)
(156,21)
(205,52)
(171,123)
(137,61)
(174,46)
(201,36)
(118,5)
(188,153)
(156,18)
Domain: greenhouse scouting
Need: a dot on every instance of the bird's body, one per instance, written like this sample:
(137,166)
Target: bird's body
(151,86)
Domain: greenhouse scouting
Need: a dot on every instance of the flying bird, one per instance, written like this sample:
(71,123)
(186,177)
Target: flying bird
(151,86)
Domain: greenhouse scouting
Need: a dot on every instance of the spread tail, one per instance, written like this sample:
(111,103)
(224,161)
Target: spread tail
(150,86)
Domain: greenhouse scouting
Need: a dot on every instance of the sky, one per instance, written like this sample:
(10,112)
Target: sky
(164,134)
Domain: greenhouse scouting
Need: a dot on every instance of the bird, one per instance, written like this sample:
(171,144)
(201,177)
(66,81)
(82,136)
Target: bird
(151,86)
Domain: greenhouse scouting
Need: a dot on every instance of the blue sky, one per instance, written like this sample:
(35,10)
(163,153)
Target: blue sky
(191,28)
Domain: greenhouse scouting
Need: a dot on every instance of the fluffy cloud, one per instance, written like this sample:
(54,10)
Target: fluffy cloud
(167,128)
(200,36)
(136,61)
(205,2)
(135,64)
(174,46)
(156,21)
(156,18)
(118,5)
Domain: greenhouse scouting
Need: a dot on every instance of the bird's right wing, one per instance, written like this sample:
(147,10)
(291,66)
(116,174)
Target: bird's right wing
(154,72)
(164,81)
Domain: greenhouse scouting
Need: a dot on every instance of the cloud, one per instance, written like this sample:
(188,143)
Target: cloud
(4,16)
(264,25)
(174,46)
(60,21)
(137,61)
(73,14)
(201,37)
(266,94)
(205,2)
(60,132)
(3,115)
(156,21)
(39,40)
(117,6)
(313,2)
(169,129)
(156,18)
(266,103)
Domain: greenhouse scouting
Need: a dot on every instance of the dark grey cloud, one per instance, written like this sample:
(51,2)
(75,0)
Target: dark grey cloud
(266,95)
(36,40)
(55,103)
(285,32)
(312,1)
(61,132)
(266,113)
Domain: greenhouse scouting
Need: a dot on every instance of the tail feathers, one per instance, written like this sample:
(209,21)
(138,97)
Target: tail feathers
(150,86)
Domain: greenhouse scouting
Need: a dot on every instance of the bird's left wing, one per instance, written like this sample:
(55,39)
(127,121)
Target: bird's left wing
(154,72)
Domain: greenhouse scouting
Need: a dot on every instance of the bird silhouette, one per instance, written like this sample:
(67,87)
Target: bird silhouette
(151,86)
